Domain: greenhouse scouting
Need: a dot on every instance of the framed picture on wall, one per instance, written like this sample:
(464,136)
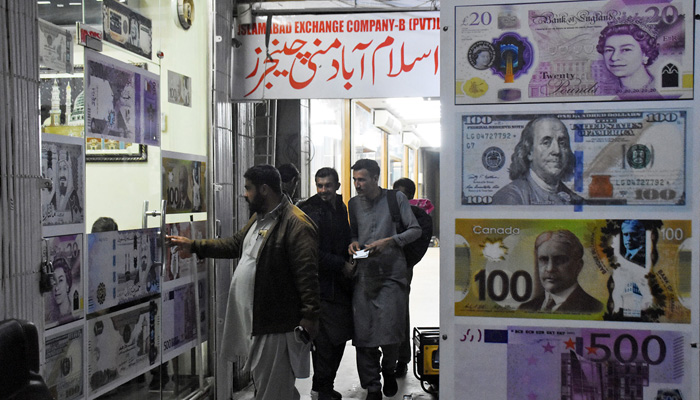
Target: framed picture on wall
(107,150)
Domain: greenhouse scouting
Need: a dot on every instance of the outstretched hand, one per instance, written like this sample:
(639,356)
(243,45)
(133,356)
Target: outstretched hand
(182,244)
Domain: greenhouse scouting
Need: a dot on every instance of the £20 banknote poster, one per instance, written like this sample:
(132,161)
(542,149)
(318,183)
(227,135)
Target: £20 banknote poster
(613,270)
(573,363)
(581,157)
(574,51)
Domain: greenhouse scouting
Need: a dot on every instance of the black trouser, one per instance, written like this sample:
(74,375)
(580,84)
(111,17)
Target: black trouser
(371,362)
(326,361)
(335,329)
(405,350)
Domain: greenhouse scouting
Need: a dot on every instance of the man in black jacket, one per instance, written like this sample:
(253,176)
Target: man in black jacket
(274,291)
(328,211)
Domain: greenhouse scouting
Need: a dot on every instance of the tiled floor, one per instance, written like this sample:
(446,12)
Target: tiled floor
(424,313)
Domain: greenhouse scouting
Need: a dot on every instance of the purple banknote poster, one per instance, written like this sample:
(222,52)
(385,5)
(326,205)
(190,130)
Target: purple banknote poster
(540,363)
(574,51)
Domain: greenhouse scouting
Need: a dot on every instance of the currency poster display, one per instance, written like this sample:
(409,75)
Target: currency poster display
(126,28)
(122,101)
(573,51)
(64,302)
(123,266)
(183,178)
(610,270)
(55,47)
(596,157)
(63,162)
(122,345)
(64,363)
(180,315)
(179,89)
(62,101)
(574,363)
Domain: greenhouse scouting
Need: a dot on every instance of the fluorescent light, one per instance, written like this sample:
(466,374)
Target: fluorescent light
(43,2)
(429,133)
(59,5)
(75,4)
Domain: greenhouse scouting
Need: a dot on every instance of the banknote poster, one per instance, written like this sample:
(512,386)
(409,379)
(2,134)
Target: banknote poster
(122,101)
(63,162)
(176,266)
(55,47)
(179,89)
(580,158)
(574,51)
(573,363)
(126,28)
(64,302)
(62,102)
(124,266)
(63,370)
(180,314)
(183,185)
(122,345)
(612,270)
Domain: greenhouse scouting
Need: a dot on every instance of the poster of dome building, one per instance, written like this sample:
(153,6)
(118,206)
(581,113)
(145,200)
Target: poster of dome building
(62,104)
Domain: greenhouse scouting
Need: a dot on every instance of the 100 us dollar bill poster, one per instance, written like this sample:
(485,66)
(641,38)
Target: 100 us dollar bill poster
(584,157)
(574,51)
(537,363)
(607,270)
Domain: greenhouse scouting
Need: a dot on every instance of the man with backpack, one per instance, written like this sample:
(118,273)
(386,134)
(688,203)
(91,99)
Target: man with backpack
(381,287)
(414,252)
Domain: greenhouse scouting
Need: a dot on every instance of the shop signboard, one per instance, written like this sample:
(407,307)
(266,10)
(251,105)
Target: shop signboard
(353,55)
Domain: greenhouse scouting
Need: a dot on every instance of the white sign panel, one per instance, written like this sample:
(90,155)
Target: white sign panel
(338,56)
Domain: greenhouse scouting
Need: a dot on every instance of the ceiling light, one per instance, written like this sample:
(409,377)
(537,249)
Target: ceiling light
(43,2)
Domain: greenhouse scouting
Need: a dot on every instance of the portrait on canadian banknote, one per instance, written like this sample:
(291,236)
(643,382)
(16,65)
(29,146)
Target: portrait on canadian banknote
(574,51)
(596,158)
(559,260)
(579,268)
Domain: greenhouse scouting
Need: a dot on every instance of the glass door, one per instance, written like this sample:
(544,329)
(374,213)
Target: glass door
(124,141)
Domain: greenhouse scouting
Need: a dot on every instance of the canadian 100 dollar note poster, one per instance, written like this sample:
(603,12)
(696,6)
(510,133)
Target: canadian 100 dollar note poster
(545,363)
(585,157)
(613,270)
(574,51)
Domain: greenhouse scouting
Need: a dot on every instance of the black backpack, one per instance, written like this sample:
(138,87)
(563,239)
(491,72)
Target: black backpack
(415,250)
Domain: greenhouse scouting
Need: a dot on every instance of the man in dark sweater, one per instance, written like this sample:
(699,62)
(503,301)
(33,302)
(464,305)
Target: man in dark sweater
(328,211)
